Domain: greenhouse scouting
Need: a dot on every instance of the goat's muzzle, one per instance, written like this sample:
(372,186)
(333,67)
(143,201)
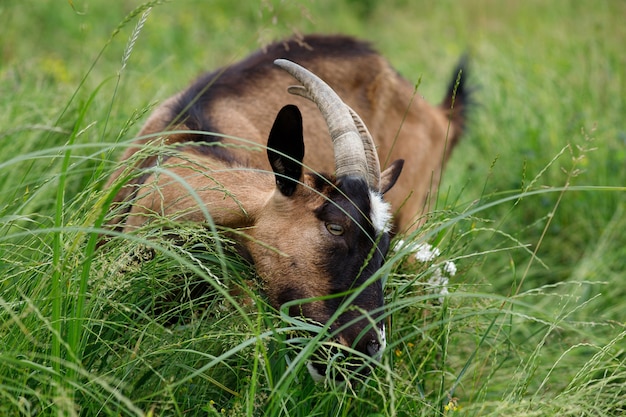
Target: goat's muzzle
(340,360)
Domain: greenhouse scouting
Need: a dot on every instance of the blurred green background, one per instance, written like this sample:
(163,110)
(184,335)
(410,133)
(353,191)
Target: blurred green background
(549,81)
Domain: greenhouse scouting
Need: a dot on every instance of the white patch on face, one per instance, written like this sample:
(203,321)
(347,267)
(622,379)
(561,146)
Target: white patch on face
(380,212)
(317,377)
(382,341)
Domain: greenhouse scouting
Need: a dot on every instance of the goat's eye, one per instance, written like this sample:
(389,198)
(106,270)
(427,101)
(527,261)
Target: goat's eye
(334,229)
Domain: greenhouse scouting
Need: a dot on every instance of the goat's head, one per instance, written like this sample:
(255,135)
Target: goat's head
(324,237)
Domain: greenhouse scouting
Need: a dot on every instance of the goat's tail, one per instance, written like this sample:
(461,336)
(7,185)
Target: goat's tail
(457,101)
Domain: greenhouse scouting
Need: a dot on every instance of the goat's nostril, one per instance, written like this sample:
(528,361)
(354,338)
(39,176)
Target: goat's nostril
(373,348)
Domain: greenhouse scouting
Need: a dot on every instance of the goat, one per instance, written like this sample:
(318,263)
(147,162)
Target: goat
(309,233)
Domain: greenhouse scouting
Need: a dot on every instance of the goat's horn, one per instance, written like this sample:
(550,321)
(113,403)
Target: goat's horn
(373,164)
(371,156)
(350,151)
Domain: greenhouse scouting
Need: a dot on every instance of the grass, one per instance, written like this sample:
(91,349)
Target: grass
(531,211)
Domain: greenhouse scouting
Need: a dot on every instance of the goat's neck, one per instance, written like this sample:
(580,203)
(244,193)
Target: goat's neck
(231,196)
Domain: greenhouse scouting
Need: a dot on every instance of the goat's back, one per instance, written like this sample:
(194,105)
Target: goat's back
(242,100)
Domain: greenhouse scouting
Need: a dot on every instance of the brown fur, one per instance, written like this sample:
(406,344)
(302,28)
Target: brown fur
(242,100)
(286,229)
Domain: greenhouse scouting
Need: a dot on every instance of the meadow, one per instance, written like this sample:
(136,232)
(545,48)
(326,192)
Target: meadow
(531,211)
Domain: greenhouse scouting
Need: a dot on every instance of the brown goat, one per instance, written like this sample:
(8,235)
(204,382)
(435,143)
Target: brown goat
(308,234)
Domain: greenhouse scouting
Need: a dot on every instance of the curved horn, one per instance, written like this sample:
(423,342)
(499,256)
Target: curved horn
(350,151)
(373,164)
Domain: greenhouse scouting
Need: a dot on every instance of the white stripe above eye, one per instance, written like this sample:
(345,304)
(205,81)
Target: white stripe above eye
(380,212)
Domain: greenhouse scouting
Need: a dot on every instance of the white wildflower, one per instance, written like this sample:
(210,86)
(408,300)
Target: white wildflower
(443,292)
(398,246)
(426,253)
(441,272)
(449,268)
(423,252)
(439,284)
(437,279)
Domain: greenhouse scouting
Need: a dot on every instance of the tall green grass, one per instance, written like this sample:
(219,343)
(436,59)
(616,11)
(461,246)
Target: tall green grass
(531,212)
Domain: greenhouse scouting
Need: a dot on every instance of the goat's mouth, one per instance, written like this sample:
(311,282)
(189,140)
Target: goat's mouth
(333,360)
(339,364)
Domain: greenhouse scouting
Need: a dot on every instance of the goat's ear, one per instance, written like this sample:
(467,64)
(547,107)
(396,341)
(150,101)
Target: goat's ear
(389,176)
(285,149)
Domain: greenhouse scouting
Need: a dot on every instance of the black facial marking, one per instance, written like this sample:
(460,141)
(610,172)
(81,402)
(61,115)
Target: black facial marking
(351,259)
(288,294)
